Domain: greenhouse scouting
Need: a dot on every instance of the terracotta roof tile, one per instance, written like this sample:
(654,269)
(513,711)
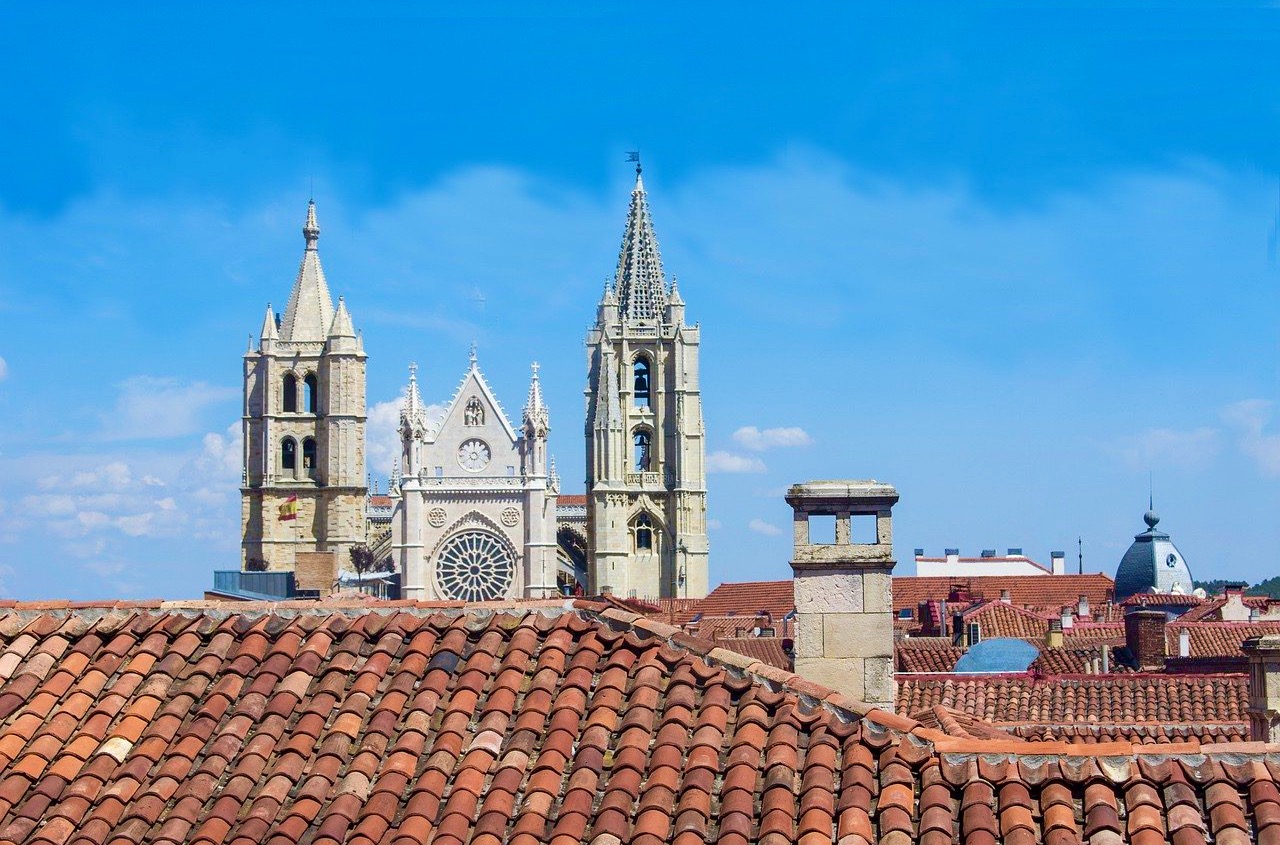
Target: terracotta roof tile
(926,654)
(565,723)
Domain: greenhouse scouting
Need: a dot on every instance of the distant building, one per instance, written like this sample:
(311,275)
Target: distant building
(304,487)
(1152,564)
(475,511)
(952,565)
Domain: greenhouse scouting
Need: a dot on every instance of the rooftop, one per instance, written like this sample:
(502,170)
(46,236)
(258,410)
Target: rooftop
(530,722)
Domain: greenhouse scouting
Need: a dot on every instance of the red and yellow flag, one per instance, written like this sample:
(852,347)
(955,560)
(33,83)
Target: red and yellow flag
(289,508)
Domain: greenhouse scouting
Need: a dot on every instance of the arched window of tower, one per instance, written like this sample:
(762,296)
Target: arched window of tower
(643,442)
(288,455)
(642,533)
(309,456)
(312,391)
(289,393)
(641,373)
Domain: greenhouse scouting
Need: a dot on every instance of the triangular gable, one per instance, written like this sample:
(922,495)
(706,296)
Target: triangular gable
(475,380)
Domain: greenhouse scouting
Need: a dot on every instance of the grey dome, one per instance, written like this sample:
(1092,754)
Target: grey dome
(1152,564)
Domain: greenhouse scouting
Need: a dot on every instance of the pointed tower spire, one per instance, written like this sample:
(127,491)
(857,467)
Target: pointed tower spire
(535,410)
(413,416)
(309,313)
(269,325)
(641,286)
(341,325)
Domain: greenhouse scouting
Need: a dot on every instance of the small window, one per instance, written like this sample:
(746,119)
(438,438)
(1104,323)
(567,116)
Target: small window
(290,393)
(288,454)
(309,456)
(641,372)
(311,392)
(439,472)
(905,613)
(511,471)
(642,451)
(822,529)
(644,532)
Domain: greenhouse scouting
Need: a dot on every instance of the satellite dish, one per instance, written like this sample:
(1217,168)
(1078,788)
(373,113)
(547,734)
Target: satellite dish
(1003,654)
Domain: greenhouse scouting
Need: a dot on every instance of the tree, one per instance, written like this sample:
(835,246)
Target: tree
(386,565)
(255,564)
(362,560)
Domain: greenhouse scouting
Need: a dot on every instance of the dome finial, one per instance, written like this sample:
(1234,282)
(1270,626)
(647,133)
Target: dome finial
(1151,518)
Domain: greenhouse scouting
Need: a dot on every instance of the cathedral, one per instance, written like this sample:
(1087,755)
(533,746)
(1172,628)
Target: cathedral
(473,506)
(474,514)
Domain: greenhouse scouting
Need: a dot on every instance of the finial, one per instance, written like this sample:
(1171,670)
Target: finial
(311,229)
(1151,518)
(413,370)
(535,369)
(634,155)
(473,354)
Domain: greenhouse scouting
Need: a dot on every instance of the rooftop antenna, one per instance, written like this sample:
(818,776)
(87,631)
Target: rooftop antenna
(312,198)
(1080,553)
(634,155)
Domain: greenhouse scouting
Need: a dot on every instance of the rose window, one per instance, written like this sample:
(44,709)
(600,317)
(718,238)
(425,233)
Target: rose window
(475,566)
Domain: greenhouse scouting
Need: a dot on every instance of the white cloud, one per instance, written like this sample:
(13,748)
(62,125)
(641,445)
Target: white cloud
(713,525)
(729,462)
(1250,418)
(148,407)
(750,437)
(4,369)
(382,434)
(761,527)
(1166,447)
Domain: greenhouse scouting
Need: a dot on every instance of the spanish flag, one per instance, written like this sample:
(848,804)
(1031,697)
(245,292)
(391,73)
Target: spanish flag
(289,508)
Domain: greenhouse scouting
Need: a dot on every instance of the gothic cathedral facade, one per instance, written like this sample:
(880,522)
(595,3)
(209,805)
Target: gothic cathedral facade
(304,483)
(645,438)
(474,514)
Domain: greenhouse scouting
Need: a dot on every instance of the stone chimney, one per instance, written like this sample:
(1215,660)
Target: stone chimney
(843,590)
(1058,563)
(1082,609)
(1233,607)
(1053,638)
(1184,642)
(1264,687)
(1144,637)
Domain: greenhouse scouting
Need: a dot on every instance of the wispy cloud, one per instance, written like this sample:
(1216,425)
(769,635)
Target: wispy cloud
(766,528)
(729,462)
(1165,447)
(750,437)
(4,369)
(1250,419)
(147,407)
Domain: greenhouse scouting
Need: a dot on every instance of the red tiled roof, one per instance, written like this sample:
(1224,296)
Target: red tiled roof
(571,500)
(1163,600)
(1217,639)
(765,649)
(1078,659)
(997,619)
(380,500)
(526,723)
(1126,699)
(926,654)
(1082,632)
(775,597)
(1046,592)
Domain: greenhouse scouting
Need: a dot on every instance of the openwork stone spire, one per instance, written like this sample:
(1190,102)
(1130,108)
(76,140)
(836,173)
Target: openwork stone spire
(535,410)
(641,286)
(413,416)
(310,311)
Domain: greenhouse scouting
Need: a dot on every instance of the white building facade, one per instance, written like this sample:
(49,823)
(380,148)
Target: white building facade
(645,437)
(474,512)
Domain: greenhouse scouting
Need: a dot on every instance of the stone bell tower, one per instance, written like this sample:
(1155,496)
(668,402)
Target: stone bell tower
(645,438)
(304,418)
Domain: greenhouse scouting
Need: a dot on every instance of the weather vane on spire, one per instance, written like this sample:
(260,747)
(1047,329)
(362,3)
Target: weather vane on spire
(634,155)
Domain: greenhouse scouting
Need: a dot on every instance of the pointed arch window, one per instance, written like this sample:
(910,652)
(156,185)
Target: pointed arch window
(643,450)
(311,390)
(640,372)
(288,455)
(309,457)
(643,533)
(290,393)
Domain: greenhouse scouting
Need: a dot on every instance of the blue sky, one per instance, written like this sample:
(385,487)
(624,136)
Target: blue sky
(1010,259)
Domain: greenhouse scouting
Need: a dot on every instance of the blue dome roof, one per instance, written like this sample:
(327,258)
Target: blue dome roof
(1152,564)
